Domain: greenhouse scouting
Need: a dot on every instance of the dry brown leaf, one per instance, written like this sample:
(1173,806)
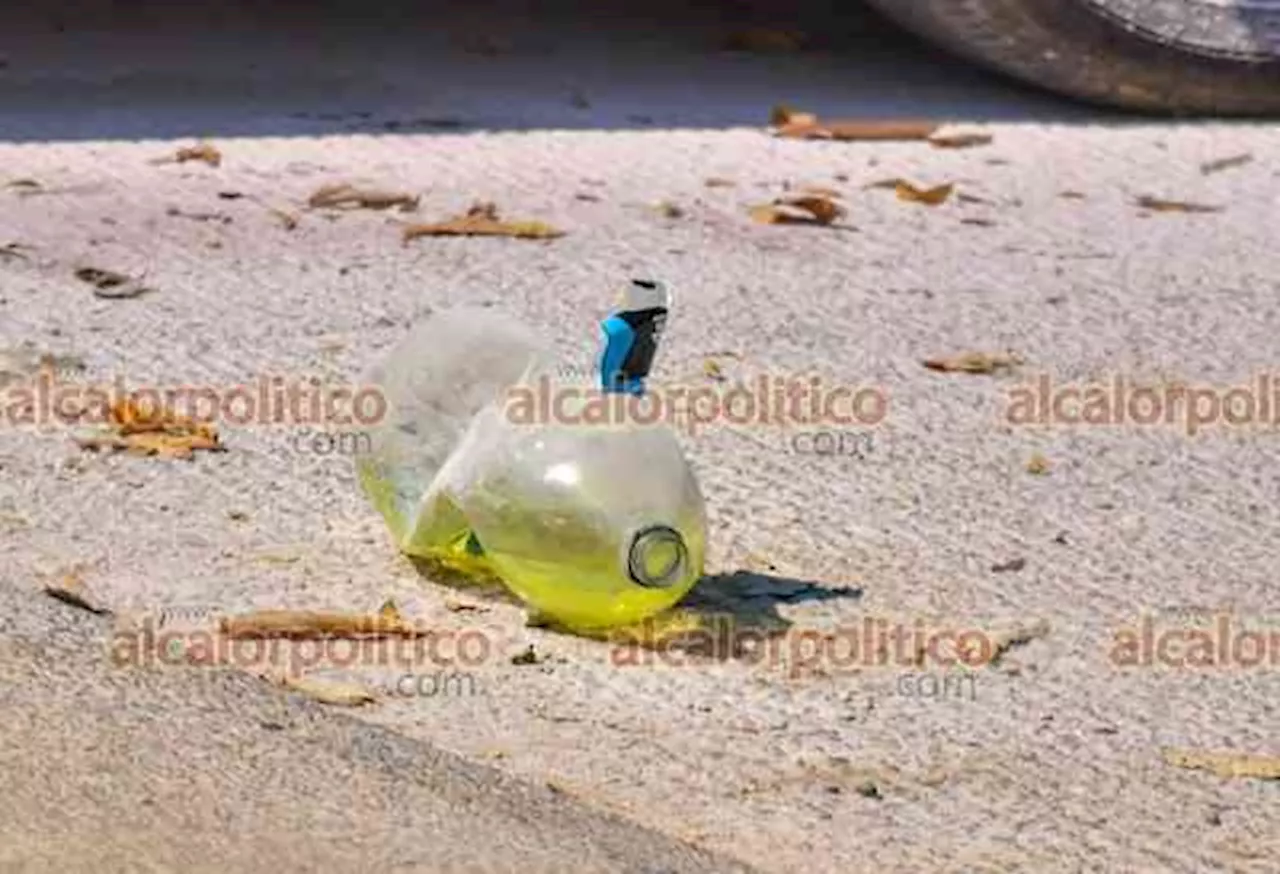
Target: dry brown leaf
(330,692)
(1072,195)
(316,625)
(1002,642)
(1038,465)
(346,196)
(110,284)
(911,193)
(1225,764)
(205,152)
(71,589)
(960,140)
(719,182)
(974,362)
(481,220)
(1210,167)
(1156,204)
(24,186)
(802,209)
(139,431)
(712,370)
(765,39)
(667,209)
(792,124)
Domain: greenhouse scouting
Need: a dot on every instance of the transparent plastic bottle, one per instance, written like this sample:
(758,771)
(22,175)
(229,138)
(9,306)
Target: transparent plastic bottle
(483,462)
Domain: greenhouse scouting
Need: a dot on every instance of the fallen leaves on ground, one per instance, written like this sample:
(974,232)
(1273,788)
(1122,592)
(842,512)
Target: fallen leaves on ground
(765,39)
(719,182)
(798,209)
(206,152)
(346,196)
(793,124)
(1156,204)
(909,192)
(287,220)
(1225,764)
(974,362)
(70,589)
(24,186)
(1038,465)
(1002,642)
(15,250)
(139,431)
(329,691)
(712,370)
(482,220)
(960,140)
(218,217)
(317,625)
(112,285)
(1210,167)
(670,210)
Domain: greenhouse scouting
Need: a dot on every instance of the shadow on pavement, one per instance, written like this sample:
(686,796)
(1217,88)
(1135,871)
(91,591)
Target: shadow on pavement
(100,70)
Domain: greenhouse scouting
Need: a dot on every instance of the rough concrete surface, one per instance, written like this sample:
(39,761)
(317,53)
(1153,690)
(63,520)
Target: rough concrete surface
(1049,760)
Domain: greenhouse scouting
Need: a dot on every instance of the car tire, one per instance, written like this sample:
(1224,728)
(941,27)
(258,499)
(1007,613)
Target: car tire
(1167,56)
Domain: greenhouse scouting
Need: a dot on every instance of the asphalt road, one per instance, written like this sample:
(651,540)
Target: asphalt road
(645,142)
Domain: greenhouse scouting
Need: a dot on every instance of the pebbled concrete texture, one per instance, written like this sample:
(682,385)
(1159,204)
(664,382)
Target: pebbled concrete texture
(589,123)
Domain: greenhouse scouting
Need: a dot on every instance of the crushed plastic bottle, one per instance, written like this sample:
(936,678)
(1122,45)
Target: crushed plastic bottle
(594,525)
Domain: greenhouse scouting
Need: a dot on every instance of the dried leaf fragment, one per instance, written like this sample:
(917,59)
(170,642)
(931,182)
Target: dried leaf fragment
(71,589)
(1038,465)
(14,250)
(141,431)
(330,692)
(997,646)
(793,124)
(712,370)
(1156,204)
(974,362)
(24,186)
(911,193)
(670,210)
(317,625)
(112,285)
(1210,167)
(482,220)
(960,140)
(719,182)
(801,209)
(205,152)
(1225,764)
(346,196)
